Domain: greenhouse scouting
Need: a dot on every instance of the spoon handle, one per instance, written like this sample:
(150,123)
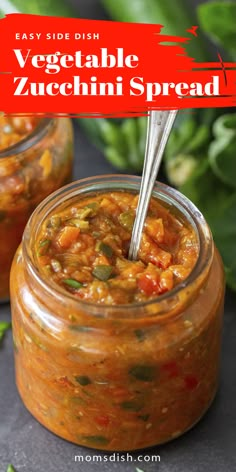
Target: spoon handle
(158,130)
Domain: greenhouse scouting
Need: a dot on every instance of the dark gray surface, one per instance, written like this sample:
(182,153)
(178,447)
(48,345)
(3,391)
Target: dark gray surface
(31,448)
(209,446)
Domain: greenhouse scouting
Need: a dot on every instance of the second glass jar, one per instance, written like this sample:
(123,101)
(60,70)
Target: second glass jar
(29,171)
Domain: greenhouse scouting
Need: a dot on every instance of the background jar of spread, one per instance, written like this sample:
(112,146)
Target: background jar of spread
(119,376)
(35,160)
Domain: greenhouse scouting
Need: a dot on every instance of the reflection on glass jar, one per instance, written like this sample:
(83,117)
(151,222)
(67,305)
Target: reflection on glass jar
(35,159)
(118,377)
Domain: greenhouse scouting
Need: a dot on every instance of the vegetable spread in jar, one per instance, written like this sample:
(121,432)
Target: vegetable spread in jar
(109,353)
(35,159)
(84,249)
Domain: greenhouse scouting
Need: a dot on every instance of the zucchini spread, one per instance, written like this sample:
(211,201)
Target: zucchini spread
(110,353)
(84,250)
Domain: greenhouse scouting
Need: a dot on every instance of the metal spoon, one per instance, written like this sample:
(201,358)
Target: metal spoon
(158,130)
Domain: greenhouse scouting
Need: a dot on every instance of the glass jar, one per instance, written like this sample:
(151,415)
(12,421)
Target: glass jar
(30,170)
(121,377)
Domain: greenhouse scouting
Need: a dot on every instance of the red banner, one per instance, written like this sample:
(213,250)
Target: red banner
(89,67)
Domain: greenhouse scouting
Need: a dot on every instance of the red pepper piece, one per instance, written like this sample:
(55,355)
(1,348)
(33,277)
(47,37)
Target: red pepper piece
(102,420)
(152,253)
(148,285)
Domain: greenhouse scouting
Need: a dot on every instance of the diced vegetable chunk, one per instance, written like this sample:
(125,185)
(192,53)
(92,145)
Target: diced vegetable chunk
(126,219)
(102,272)
(67,236)
(104,249)
(73,283)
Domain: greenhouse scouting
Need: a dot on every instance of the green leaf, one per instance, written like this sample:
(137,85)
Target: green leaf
(206,191)
(180,137)
(224,232)
(4,326)
(180,168)
(217,202)
(222,156)
(120,161)
(222,151)
(186,146)
(130,132)
(38,7)
(225,125)
(175,16)
(92,129)
(217,19)
(199,140)
(142,133)
(111,135)
(10,468)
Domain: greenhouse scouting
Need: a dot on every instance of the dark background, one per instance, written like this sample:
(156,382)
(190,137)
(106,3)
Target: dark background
(29,447)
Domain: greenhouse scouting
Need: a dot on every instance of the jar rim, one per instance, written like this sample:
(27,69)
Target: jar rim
(30,140)
(109,182)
